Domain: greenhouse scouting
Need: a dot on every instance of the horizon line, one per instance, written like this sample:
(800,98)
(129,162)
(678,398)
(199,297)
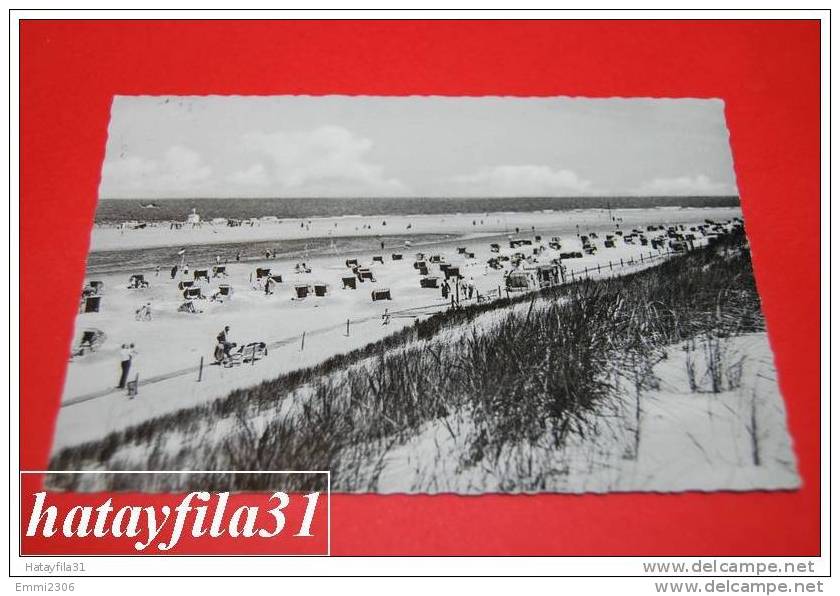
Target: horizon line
(415,197)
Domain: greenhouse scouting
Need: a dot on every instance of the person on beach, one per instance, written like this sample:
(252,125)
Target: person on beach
(174,271)
(218,260)
(222,338)
(382,245)
(238,256)
(157,270)
(444,290)
(470,288)
(144,313)
(126,354)
(267,254)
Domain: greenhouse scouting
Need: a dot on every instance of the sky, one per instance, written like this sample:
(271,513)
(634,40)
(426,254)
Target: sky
(339,146)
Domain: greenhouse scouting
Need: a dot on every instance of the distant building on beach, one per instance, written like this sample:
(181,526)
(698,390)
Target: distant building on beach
(194,218)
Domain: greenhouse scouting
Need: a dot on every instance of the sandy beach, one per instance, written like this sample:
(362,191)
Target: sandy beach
(160,234)
(172,346)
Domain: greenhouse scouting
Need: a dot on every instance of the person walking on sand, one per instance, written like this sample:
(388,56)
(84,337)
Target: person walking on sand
(157,270)
(174,271)
(126,354)
(222,338)
(444,290)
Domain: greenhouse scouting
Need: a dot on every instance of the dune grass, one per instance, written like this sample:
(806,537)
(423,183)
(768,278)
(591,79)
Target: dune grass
(535,376)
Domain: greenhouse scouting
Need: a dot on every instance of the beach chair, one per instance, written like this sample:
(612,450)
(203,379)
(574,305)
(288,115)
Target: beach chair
(193,294)
(494,247)
(225,291)
(189,307)
(200,274)
(380,294)
(220,271)
(548,275)
(137,281)
(301,291)
(364,274)
(93,288)
(379,259)
(396,257)
(430,282)
(183,285)
(320,289)
(462,250)
(352,263)
(90,304)
(90,341)
(262,272)
(348,282)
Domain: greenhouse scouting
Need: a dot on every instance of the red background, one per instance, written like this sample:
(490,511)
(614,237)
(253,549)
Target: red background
(767,72)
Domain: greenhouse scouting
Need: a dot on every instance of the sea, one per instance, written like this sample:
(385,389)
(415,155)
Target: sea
(120,210)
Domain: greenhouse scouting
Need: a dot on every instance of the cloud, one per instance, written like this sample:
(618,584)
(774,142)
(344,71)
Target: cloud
(522,180)
(686,185)
(326,161)
(255,175)
(179,171)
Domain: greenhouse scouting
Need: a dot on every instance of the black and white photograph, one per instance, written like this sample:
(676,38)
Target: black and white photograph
(422,295)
